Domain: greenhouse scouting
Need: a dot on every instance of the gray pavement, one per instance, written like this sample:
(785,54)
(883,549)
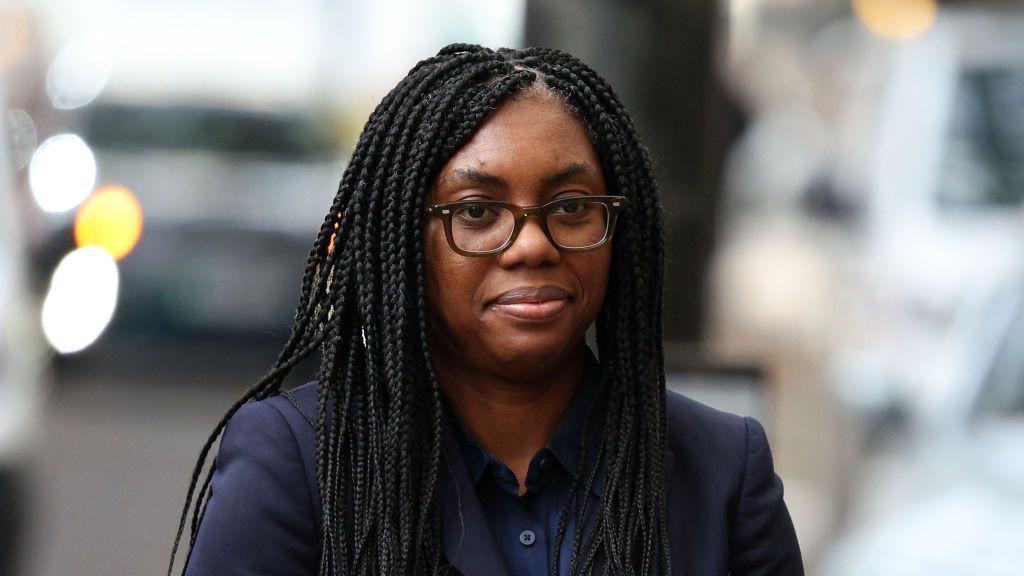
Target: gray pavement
(115,455)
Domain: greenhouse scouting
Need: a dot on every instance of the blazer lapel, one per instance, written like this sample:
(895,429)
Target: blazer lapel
(466,536)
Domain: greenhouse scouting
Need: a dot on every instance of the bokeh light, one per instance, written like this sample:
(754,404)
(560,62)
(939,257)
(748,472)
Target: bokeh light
(78,73)
(23,136)
(896,19)
(81,299)
(61,173)
(112,219)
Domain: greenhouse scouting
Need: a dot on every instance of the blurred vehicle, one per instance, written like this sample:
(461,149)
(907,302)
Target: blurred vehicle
(877,192)
(945,207)
(949,498)
(942,217)
(941,395)
(943,211)
(229,199)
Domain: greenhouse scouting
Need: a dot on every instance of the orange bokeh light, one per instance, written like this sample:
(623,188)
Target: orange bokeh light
(896,19)
(110,218)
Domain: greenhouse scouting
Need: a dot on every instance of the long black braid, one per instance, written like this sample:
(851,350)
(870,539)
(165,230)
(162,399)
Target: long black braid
(363,303)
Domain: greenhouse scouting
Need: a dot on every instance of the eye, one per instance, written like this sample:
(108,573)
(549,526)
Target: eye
(476,212)
(473,215)
(570,207)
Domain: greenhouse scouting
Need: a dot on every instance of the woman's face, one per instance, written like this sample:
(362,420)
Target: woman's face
(531,150)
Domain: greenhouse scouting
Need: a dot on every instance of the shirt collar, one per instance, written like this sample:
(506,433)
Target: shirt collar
(565,443)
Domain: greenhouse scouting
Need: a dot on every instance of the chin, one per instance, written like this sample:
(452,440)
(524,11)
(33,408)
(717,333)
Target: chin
(528,353)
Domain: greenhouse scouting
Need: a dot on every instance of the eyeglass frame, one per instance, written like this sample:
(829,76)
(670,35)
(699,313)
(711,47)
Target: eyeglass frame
(444,211)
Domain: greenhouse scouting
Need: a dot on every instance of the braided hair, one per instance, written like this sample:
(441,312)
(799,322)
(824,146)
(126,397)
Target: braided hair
(363,304)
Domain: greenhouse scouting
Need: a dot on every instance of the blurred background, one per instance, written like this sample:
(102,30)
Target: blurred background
(843,182)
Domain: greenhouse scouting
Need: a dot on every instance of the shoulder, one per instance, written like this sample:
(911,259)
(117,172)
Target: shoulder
(261,515)
(268,424)
(691,423)
(713,433)
(298,405)
(725,475)
(280,429)
(263,434)
(712,449)
(258,425)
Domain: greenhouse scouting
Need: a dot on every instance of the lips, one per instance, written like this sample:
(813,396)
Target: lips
(532,303)
(527,295)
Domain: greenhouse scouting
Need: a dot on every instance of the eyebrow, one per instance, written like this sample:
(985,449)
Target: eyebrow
(477,176)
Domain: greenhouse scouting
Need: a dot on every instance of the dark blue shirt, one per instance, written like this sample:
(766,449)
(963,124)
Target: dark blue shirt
(524,527)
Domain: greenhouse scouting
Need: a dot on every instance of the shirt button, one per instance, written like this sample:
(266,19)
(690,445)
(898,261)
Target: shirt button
(527,537)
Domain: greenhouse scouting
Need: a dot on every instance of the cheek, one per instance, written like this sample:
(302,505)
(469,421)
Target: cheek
(434,244)
(451,279)
(594,275)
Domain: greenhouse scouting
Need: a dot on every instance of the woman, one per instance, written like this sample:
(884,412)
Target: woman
(497,205)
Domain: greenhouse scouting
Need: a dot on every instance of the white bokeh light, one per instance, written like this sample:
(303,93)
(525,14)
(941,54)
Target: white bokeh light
(62,173)
(79,72)
(81,299)
(23,136)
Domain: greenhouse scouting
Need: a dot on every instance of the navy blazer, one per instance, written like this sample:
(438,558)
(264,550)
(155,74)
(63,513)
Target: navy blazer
(724,504)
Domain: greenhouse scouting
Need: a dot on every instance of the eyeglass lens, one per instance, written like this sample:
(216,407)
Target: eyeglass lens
(576,224)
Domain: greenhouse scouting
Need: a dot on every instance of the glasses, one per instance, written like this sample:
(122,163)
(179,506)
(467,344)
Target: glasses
(485,227)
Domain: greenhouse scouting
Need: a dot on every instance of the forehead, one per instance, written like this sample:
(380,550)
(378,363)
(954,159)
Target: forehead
(526,139)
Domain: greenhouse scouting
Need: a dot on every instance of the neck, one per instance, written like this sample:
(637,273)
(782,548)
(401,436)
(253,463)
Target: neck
(512,418)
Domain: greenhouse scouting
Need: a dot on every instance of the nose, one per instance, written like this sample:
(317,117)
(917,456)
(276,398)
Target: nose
(530,248)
